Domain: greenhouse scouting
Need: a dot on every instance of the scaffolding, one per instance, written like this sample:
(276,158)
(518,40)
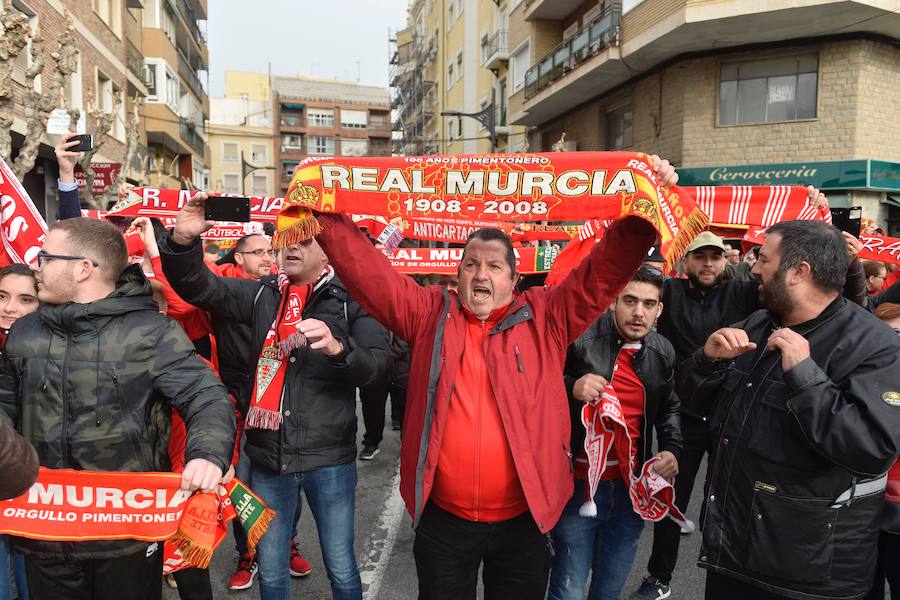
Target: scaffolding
(413,73)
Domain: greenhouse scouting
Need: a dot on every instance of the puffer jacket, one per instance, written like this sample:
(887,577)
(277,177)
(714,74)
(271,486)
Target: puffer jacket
(795,488)
(92,386)
(596,351)
(319,409)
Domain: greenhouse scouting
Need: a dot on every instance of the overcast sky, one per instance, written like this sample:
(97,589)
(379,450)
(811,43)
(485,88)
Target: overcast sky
(342,39)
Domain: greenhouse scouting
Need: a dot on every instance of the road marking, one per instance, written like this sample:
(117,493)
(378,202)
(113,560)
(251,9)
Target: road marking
(380,546)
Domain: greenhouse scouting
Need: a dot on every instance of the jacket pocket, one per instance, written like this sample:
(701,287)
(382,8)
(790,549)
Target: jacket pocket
(132,423)
(791,539)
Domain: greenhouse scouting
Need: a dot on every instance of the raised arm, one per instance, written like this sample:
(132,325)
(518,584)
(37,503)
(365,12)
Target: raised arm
(182,262)
(395,300)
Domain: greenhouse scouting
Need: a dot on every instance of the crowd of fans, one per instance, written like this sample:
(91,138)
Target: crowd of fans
(770,363)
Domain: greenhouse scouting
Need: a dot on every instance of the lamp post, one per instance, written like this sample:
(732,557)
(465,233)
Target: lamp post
(246,169)
(487,117)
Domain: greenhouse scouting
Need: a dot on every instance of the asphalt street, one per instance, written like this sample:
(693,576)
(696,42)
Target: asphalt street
(384,541)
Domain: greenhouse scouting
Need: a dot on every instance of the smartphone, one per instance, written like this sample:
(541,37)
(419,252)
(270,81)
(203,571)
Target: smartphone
(847,219)
(228,208)
(85,142)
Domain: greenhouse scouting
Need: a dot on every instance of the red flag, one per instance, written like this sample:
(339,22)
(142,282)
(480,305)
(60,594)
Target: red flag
(22,229)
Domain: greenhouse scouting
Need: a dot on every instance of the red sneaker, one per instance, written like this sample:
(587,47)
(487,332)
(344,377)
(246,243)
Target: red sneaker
(300,567)
(244,574)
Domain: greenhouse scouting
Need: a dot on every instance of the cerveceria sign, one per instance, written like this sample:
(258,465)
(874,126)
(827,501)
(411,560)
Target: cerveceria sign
(825,175)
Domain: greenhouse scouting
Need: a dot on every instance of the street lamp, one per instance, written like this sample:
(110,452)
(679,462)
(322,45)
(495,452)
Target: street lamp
(487,117)
(246,169)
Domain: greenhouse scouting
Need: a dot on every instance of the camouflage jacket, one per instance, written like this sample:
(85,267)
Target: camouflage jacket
(91,386)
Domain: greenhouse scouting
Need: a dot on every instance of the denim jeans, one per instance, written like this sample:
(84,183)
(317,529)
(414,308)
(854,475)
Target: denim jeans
(330,493)
(10,559)
(606,544)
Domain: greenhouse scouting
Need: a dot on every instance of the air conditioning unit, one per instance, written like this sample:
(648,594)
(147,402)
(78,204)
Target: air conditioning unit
(148,75)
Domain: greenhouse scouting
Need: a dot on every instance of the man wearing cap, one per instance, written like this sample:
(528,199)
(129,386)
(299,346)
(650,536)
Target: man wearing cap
(696,307)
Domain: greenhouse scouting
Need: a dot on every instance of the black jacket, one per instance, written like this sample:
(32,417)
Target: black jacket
(690,317)
(319,409)
(91,386)
(596,351)
(788,445)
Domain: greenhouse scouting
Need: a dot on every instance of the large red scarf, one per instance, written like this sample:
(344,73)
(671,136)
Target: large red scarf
(875,247)
(561,186)
(652,497)
(22,228)
(283,338)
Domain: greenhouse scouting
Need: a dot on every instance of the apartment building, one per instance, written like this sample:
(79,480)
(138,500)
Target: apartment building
(323,117)
(104,36)
(242,137)
(734,92)
(176,59)
(453,58)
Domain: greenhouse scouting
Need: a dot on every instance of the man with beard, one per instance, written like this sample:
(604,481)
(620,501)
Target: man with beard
(805,404)
(695,308)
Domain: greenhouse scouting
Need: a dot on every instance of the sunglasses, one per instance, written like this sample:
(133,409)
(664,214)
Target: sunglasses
(43,257)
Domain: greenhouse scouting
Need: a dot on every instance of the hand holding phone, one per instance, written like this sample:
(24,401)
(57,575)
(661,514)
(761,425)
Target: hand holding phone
(85,142)
(847,219)
(227,208)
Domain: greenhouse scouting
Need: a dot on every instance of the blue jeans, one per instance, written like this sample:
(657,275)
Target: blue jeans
(606,544)
(17,561)
(330,493)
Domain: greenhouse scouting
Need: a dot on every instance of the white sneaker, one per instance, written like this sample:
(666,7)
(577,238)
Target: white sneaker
(688,530)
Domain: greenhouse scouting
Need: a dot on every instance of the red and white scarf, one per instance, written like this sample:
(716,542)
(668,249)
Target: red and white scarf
(652,496)
(283,338)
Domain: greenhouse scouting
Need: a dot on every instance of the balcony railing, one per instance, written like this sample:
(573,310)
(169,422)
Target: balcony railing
(379,128)
(191,19)
(192,138)
(134,61)
(588,41)
(288,120)
(190,76)
(497,50)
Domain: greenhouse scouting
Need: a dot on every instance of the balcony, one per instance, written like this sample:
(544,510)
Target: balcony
(550,10)
(587,42)
(193,139)
(191,18)
(380,129)
(190,76)
(497,52)
(295,121)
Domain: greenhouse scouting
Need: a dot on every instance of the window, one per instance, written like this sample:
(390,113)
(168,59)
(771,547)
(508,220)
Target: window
(501,103)
(451,11)
(485,48)
(231,151)
(294,142)
(106,92)
(769,91)
(519,62)
(618,128)
(320,117)
(108,11)
(450,79)
(450,129)
(459,66)
(74,92)
(231,183)
(354,119)
(260,185)
(354,147)
(259,153)
(173,90)
(321,145)
(23,58)
(287,170)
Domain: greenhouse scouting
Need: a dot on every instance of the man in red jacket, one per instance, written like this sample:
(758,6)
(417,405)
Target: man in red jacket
(485,464)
